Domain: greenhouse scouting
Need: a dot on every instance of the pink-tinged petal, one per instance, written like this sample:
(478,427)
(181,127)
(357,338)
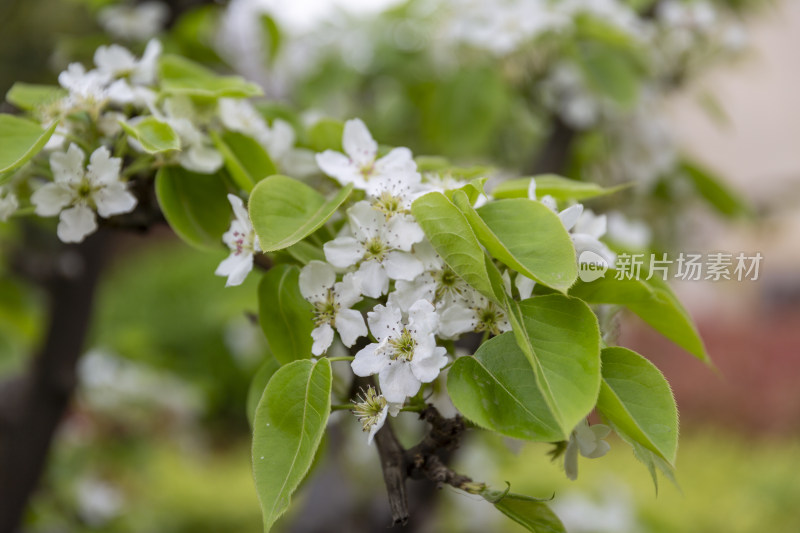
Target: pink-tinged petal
(570,215)
(51,198)
(398,381)
(348,291)
(67,166)
(343,252)
(368,361)
(402,265)
(114,199)
(358,143)
(398,160)
(350,325)
(76,223)
(316,278)
(373,279)
(426,367)
(455,320)
(403,232)
(385,321)
(323,337)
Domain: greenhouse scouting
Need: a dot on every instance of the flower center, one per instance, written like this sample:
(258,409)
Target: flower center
(447,283)
(489,319)
(368,409)
(367,171)
(325,311)
(375,248)
(388,204)
(403,346)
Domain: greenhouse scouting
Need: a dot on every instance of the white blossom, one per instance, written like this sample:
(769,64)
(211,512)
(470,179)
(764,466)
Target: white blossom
(87,89)
(77,193)
(380,248)
(116,62)
(474,313)
(332,302)
(8,204)
(137,23)
(361,165)
(371,410)
(406,355)
(197,150)
(586,440)
(632,234)
(242,241)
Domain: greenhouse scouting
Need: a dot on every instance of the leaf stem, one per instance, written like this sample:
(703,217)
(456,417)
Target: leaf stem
(342,358)
(342,407)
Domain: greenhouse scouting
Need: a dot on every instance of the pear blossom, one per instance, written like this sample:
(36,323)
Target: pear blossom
(371,410)
(240,116)
(586,440)
(77,193)
(332,302)
(243,243)
(197,153)
(379,248)
(439,285)
(134,22)
(474,313)
(116,61)
(360,164)
(406,355)
(8,204)
(87,89)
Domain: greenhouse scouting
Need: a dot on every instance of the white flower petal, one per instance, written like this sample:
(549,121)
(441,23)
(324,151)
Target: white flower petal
(365,222)
(76,223)
(51,198)
(368,361)
(385,321)
(402,265)
(114,199)
(525,286)
(348,291)
(398,381)
(402,232)
(427,367)
(456,319)
(571,459)
(350,325)
(570,215)
(102,167)
(237,266)
(423,318)
(323,337)
(398,160)
(316,278)
(114,60)
(339,166)
(532,189)
(378,424)
(343,252)
(373,279)
(202,159)
(67,167)
(358,143)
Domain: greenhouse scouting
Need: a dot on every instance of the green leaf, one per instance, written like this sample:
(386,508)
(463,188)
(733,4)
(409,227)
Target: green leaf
(526,236)
(272,36)
(246,160)
(500,389)
(635,396)
(609,71)
(555,186)
(20,140)
(304,252)
(289,424)
(29,97)
(286,318)
(154,136)
(716,192)
(652,461)
(531,513)
(326,134)
(195,205)
(182,76)
(653,301)
(285,211)
(258,384)
(451,236)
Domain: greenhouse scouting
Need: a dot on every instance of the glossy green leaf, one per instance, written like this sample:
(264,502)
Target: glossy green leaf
(246,160)
(20,140)
(286,318)
(195,206)
(451,236)
(304,252)
(526,236)
(653,301)
(556,186)
(285,211)
(531,513)
(716,192)
(326,134)
(289,424)
(635,396)
(154,135)
(499,389)
(182,76)
(258,384)
(29,96)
